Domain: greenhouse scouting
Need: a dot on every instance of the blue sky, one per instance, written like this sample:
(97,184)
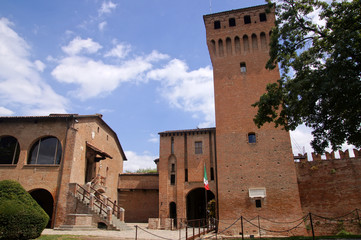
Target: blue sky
(143,64)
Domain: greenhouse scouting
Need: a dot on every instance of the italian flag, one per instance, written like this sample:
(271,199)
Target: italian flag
(205,179)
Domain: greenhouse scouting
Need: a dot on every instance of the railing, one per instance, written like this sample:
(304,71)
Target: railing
(100,202)
(99,180)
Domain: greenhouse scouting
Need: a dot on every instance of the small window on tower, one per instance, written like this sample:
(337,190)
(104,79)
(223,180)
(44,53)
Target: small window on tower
(262,17)
(186,175)
(247,19)
(243,67)
(217,24)
(172,179)
(172,145)
(258,203)
(212,174)
(173,167)
(232,22)
(251,138)
(198,148)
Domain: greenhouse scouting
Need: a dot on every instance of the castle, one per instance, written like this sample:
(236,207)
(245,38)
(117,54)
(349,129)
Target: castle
(251,172)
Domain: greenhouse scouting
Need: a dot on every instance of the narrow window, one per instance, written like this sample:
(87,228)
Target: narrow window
(229,46)
(263,41)
(254,42)
(198,148)
(173,167)
(247,19)
(172,179)
(251,138)
(217,24)
(186,175)
(172,145)
(262,17)
(232,22)
(213,46)
(258,203)
(9,150)
(212,174)
(237,45)
(243,67)
(220,48)
(245,43)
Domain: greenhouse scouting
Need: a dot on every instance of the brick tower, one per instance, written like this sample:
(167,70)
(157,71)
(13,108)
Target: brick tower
(256,172)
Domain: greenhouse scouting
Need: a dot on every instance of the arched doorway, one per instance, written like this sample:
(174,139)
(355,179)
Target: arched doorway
(173,212)
(196,203)
(45,200)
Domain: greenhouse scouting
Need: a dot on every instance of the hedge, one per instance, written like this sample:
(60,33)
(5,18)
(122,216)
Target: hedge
(20,215)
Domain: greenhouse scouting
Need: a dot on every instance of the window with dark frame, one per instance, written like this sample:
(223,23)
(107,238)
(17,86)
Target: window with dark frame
(172,179)
(232,22)
(258,203)
(9,150)
(212,174)
(262,17)
(243,67)
(251,138)
(247,19)
(46,150)
(198,147)
(173,167)
(186,175)
(217,24)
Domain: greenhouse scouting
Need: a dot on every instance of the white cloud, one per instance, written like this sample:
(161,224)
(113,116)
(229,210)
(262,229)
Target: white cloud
(96,77)
(78,45)
(154,138)
(107,7)
(120,51)
(21,86)
(102,25)
(191,91)
(40,66)
(136,161)
(5,112)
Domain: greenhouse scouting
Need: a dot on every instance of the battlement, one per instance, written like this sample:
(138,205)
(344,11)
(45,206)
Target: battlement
(329,156)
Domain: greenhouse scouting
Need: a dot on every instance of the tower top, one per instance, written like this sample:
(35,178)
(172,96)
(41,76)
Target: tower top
(240,10)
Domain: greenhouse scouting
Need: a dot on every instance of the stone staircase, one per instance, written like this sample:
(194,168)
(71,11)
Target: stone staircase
(97,208)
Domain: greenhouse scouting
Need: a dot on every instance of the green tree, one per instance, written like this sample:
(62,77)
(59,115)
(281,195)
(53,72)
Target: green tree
(320,64)
(20,215)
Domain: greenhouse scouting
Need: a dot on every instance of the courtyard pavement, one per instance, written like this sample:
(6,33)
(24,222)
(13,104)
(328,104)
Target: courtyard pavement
(142,234)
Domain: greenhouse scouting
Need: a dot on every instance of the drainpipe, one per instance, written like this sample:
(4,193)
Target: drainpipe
(60,176)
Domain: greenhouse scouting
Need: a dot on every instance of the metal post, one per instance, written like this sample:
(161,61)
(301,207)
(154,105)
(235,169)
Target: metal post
(186,230)
(193,229)
(313,232)
(136,232)
(242,227)
(199,227)
(259,228)
(180,229)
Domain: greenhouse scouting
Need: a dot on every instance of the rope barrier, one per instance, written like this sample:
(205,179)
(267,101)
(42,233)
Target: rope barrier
(273,230)
(336,218)
(155,235)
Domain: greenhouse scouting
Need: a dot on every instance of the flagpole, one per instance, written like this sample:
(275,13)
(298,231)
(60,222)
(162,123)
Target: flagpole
(205,192)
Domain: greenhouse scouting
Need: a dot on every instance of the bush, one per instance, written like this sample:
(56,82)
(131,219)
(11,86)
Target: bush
(20,215)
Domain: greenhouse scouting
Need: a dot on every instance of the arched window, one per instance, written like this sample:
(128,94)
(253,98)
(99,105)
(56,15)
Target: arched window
(263,41)
(220,47)
(237,45)
(9,150)
(213,46)
(245,43)
(254,42)
(229,46)
(46,150)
